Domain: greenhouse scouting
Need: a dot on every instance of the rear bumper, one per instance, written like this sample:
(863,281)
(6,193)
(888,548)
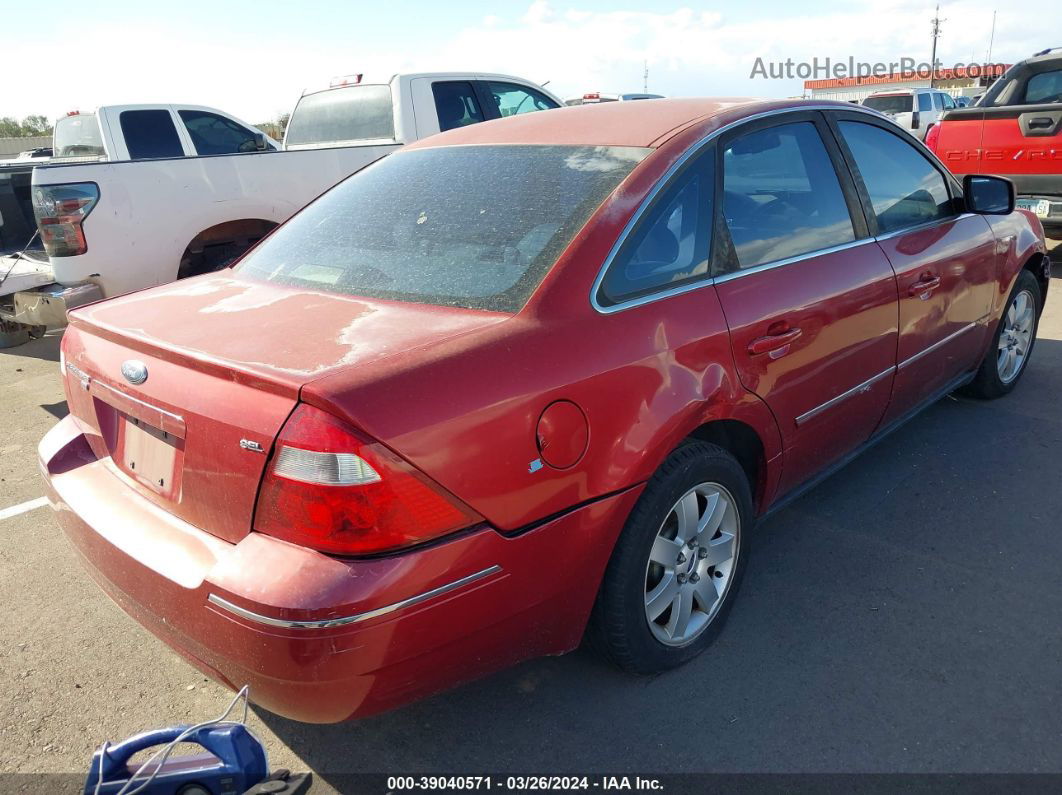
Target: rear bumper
(48,305)
(322,639)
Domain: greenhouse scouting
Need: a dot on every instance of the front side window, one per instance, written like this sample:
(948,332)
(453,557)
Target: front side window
(470,226)
(905,188)
(150,133)
(352,113)
(512,99)
(670,245)
(781,195)
(456,104)
(212,134)
(1044,88)
(949,103)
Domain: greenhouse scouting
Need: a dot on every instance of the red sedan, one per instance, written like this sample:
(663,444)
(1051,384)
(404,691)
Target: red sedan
(524,381)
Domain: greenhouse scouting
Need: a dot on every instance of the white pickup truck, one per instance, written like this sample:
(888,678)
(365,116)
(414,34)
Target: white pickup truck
(160,192)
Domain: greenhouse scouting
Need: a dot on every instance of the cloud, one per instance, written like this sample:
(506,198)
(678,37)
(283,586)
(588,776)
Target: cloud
(258,72)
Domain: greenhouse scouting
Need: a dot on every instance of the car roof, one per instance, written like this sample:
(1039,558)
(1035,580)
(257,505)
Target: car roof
(643,124)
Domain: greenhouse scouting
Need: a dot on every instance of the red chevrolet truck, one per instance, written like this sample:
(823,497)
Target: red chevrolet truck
(1015,131)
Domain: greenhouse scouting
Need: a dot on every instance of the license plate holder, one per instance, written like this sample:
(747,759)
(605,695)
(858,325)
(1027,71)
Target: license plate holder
(149,455)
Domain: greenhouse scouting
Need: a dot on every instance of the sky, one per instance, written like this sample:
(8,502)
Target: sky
(254,59)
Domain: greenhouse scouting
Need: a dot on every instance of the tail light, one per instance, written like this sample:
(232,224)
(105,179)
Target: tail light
(331,488)
(60,210)
(932,137)
(914,120)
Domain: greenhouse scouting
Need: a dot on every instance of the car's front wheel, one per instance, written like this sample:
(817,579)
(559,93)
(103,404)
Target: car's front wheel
(677,564)
(1012,345)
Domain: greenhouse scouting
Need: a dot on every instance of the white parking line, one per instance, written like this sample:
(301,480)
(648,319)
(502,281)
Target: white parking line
(22,507)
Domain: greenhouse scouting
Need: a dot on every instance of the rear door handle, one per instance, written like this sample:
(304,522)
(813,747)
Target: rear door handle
(1040,122)
(773,342)
(924,285)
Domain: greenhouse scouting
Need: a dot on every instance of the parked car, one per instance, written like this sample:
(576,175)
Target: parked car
(914,109)
(596,97)
(523,381)
(203,186)
(1015,131)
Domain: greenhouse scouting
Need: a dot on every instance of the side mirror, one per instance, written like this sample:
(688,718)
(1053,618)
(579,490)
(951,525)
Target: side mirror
(988,195)
(260,142)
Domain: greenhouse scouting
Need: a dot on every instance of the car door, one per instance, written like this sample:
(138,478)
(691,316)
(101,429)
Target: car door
(945,260)
(809,297)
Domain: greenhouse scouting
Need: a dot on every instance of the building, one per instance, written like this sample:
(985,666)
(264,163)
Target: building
(959,82)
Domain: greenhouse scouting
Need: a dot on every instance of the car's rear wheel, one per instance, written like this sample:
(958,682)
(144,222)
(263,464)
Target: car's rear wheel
(1012,345)
(677,564)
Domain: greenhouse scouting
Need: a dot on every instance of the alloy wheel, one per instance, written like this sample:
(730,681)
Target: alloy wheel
(1015,338)
(691,564)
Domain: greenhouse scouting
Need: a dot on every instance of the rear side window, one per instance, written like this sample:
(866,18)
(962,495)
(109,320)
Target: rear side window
(781,195)
(512,99)
(150,133)
(456,104)
(670,246)
(890,103)
(352,113)
(78,136)
(470,226)
(925,102)
(905,188)
(1044,88)
(215,135)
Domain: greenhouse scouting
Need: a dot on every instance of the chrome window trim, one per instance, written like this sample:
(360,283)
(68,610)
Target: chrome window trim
(926,351)
(766,266)
(343,621)
(859,388)
(663,182)
(926,225)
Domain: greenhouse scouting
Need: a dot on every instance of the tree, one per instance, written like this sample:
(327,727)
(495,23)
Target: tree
(31,126)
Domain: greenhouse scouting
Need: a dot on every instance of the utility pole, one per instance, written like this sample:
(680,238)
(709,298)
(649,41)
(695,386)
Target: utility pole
(991,39)
(645,77)
(935,27)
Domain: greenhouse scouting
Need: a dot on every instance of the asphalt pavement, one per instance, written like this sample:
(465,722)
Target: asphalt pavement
(904,616)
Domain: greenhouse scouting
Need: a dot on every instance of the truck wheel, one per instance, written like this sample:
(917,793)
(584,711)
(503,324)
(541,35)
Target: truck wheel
(1012,345)
(677,565)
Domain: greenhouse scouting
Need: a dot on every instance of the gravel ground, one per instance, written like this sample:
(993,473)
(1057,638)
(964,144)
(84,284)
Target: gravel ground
(903,616)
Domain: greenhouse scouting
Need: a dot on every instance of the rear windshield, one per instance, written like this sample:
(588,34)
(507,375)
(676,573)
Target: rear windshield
(892,103)
(469,226)
(78,136)
(353,113)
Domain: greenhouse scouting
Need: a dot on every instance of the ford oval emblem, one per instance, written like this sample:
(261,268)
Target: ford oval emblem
(134,371)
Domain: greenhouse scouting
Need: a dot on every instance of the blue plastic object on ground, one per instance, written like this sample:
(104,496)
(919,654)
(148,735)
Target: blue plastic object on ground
(233,762)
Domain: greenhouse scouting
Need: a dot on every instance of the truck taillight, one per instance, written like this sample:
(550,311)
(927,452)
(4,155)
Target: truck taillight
(915,120)
(60,211)
(329,487)
(932,137)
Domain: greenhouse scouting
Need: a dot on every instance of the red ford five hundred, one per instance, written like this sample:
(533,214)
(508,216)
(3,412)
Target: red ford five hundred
(525,381)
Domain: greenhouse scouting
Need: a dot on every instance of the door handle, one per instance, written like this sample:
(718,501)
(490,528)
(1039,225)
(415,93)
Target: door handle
(924,285)
(1041,122)
(773,342)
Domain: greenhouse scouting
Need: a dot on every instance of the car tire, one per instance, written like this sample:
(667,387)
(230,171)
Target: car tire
(642,581)
(1000,371)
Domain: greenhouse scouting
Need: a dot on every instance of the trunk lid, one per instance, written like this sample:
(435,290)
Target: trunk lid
(223,361)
